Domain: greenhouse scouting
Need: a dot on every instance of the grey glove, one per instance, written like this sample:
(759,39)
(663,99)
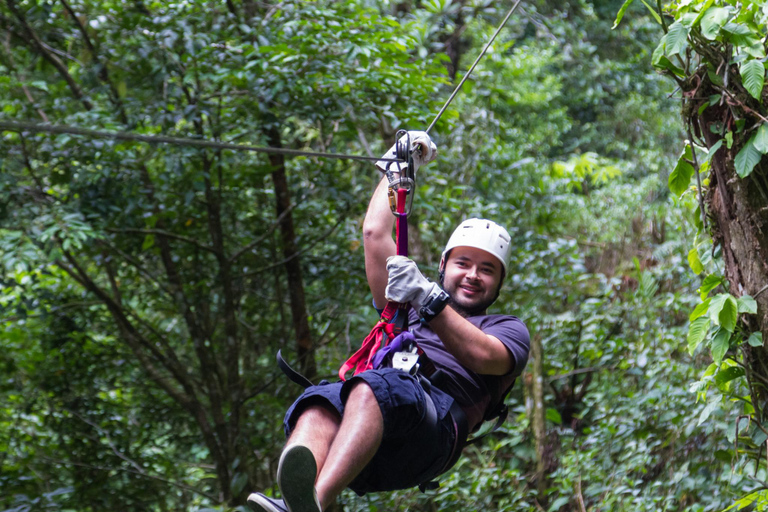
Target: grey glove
(422,147)
(406,284)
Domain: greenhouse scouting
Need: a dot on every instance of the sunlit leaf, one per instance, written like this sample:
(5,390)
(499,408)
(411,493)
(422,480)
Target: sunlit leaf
(747,305)
(697,331)
(753,77)
(720,345)
(747,158)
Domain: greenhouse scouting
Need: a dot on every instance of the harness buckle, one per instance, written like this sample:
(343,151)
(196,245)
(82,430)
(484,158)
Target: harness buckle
(406,360)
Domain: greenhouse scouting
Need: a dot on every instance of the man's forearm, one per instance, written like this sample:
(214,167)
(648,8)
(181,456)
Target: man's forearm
(378,242)
(473,348)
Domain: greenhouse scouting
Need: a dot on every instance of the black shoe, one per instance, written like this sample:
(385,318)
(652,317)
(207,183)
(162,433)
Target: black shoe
(260,503)
(296,474)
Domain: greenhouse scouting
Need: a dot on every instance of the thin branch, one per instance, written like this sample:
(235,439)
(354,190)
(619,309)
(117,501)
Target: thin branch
(269,232)
(46,52)
(297,253)
(132,471)
(111,444)
(164,233)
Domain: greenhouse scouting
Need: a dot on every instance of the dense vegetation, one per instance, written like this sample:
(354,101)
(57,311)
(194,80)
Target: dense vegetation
(146,288)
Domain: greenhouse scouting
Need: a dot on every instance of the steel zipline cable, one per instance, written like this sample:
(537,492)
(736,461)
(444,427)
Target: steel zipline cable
(16,126)
(23,126)
(472,68)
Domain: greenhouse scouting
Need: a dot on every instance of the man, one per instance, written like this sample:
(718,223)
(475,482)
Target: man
(386,429)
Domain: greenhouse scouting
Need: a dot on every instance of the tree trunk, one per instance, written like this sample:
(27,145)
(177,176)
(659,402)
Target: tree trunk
(304,345)
(738,210)
(535,407)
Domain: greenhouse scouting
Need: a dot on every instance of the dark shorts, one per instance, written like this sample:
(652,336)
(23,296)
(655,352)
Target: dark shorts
(412,452)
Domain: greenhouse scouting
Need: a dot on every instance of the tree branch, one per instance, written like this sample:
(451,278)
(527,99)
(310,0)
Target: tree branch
(166,234)
(34,40)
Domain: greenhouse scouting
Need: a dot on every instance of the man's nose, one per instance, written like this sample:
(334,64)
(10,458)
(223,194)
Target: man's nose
(472,273)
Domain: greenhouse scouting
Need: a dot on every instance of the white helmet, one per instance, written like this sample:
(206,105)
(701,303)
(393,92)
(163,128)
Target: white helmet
(481,234)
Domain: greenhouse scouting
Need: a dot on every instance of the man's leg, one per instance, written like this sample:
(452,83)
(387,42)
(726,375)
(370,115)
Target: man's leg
(316,429)
(353,447)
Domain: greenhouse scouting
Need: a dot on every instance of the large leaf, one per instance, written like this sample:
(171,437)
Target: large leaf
(747,158)
(660,61)
(755,339)
(676,39)
(710,282)
(753,77)
(723,311)
(700,310)
(727,375)
(720,344)
(653,12)
(712,21)
(729,314)
(621,12)
(761,139)
(695,262)
(681,175)
(747,305)
(697,331)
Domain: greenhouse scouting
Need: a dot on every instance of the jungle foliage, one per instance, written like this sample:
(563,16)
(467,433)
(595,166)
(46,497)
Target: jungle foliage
(146,288)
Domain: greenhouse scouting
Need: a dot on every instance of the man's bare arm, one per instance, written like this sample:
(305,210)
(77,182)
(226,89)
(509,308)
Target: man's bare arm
(378,242)
(480,352)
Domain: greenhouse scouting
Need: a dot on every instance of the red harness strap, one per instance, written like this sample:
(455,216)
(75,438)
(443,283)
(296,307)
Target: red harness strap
(385,329)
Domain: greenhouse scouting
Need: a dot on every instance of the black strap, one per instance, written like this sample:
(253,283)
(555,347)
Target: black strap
(291,373)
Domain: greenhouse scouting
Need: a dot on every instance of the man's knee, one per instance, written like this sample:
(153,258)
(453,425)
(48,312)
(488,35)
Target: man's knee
(318,414)
(361,393)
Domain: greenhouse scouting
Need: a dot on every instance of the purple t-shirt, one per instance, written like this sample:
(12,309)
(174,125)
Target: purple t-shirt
(472,391)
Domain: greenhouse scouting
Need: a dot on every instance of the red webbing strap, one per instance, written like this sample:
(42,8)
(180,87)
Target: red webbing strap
(384,331)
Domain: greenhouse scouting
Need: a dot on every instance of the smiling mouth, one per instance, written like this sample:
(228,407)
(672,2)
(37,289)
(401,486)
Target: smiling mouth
(470,290)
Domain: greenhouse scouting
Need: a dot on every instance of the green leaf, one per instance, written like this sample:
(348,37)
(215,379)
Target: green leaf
(716,306)
(702,12)
(727,375)
(695,262)
(660,61)
(747,158)
(681,175)
(761,139)
(713,150)
(700,310)
(653,12)
(621,12)
(708,410)
(753,77)
(729,140)
(712,21)
(729,313)
(755,339)
(676,39)
(554,416)
(697,331)
(710,283)
(747,305)
(720,344)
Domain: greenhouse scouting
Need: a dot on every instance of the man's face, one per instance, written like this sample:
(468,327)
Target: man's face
(472,278)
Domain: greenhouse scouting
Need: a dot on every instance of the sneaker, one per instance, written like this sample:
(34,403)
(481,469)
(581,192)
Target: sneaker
(260,503)
(296,474)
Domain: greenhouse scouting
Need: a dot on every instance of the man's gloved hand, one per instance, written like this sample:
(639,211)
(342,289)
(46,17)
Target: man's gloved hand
(424,151)
(406,284)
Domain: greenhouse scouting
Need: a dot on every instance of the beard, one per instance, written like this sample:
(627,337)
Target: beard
(467,310)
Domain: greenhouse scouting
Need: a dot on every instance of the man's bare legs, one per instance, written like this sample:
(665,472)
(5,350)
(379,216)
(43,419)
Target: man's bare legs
(342,448)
